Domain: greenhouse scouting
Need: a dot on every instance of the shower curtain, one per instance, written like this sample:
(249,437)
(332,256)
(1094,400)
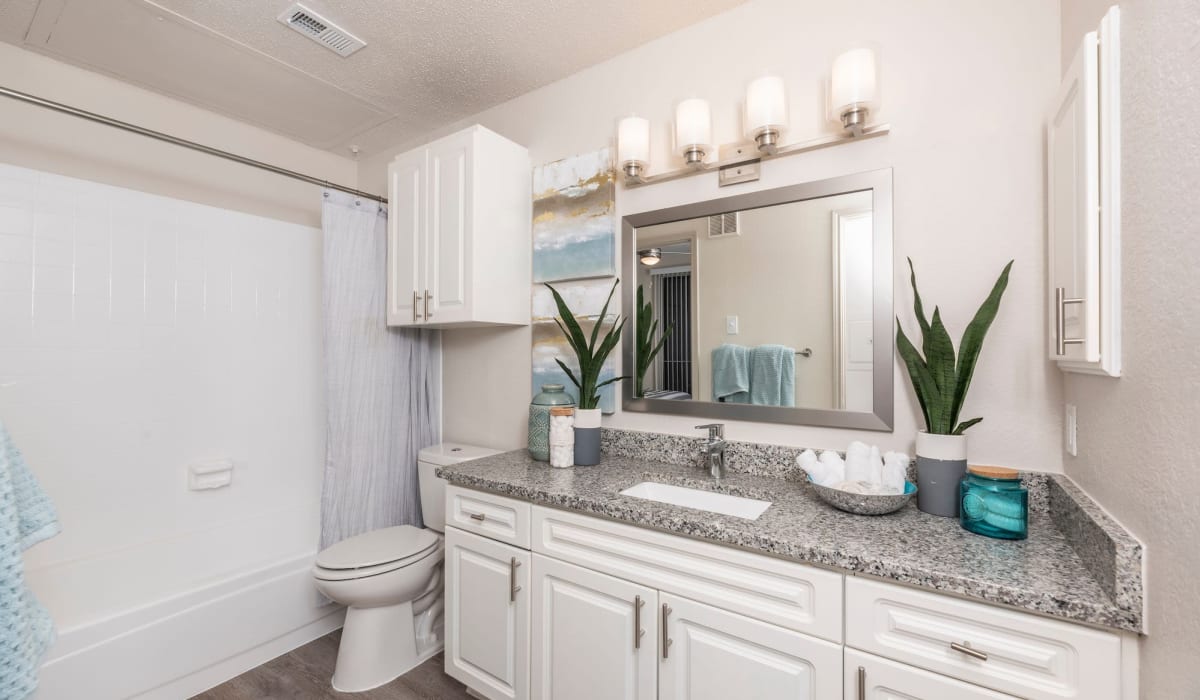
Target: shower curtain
(383,400)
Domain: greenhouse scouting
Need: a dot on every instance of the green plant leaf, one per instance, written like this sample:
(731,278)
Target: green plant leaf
(939,357)
(966,424)
(575,335)
(972,340)
(570,374)
(922,381)
(606,382)
(918,307)
(603,314)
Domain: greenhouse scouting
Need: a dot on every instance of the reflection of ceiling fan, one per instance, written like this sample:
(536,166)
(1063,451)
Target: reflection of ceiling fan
(653,256)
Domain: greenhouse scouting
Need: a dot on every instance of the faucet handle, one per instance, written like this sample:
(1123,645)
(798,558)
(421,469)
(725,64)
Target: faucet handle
(715,430)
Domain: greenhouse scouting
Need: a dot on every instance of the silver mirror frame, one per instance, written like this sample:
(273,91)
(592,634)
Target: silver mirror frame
(883,368)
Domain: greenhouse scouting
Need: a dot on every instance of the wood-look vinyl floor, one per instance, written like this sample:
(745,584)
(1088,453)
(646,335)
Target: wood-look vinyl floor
(304,673)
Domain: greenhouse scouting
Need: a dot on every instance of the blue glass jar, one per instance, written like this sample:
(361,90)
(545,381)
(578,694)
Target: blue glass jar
(993,503)
(539,419)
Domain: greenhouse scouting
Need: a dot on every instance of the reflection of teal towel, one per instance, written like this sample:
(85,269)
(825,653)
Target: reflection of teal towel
(731,373)
(26,517)
(773,375)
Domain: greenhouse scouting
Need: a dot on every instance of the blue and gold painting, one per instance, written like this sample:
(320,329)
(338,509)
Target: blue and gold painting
(574,219)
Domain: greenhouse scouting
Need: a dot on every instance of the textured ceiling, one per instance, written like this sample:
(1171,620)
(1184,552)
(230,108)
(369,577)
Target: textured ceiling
(426,63)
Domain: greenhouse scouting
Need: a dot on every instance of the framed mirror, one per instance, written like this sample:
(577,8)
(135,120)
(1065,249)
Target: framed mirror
(772,306)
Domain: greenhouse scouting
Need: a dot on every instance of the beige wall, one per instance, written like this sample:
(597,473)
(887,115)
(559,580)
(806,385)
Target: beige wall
(1138,442)
(33,137)
(1078,18)
(968,192)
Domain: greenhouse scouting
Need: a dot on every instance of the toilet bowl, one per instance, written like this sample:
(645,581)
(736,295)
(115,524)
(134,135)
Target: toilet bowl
(390,581)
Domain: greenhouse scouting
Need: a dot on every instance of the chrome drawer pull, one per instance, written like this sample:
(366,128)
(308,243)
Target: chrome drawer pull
(416,314)
(965,648)
(477,516)
(428,298)
(862,683)
(513,588)
(1061,340)
(638,632)
(666,641)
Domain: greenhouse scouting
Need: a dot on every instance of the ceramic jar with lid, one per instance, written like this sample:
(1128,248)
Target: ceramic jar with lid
(539,418)
(993,503)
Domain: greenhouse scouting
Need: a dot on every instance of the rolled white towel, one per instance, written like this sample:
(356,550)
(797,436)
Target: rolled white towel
(895,471)
(858,462)
(835,468)
(876,463)
(817,471)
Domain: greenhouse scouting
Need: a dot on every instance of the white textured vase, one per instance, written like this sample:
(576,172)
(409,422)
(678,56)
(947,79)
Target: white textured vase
(941,464)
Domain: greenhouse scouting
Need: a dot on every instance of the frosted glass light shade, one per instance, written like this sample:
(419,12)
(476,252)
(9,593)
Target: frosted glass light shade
(766,106)
(633,141)
(693,125)
(854,81)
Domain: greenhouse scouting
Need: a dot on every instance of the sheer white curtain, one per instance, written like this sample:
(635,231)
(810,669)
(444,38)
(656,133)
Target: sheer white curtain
(383,397)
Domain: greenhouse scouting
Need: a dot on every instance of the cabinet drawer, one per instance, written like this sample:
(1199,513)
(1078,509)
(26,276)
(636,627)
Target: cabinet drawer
(1022,654)
(494,517)
(783,593)
(872,678)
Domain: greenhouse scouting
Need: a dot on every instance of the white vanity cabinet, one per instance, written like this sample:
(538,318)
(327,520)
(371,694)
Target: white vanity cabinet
(1083,196)
(487,615)
(554,605)
(459,233)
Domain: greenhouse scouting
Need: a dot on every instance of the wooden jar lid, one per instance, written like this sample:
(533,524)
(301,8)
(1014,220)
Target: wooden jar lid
(562,411)
(993,472)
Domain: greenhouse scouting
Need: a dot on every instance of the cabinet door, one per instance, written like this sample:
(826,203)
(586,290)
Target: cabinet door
(711,654)
(450,222)
(406,238)
(594,635)
(487,615)
(872,678)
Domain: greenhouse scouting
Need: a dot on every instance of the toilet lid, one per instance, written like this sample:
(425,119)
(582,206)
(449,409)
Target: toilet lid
(377,547)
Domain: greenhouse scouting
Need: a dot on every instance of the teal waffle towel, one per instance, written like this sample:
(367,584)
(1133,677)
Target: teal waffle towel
(26,517)
(731,373)
(773,375)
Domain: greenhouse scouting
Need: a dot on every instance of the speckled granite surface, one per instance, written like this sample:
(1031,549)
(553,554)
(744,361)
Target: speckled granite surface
(1043,573)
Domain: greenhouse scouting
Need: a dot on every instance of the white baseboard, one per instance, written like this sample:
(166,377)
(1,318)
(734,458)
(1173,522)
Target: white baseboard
(184,645)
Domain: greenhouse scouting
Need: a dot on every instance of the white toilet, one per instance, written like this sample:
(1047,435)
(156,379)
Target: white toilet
(390,580)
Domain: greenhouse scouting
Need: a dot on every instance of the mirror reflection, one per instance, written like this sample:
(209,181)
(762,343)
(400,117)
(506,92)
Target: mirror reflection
(768,306)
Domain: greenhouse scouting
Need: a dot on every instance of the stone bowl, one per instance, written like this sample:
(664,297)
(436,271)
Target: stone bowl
(865,504)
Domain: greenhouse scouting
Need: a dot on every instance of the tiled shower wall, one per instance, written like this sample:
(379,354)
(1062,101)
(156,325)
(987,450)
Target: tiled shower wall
(137,334)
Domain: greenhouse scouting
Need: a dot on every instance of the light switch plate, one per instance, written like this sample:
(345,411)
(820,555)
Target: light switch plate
(731,325)
(1071,427)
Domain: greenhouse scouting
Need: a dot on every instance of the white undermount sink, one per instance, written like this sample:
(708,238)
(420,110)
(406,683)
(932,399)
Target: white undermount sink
(723,503)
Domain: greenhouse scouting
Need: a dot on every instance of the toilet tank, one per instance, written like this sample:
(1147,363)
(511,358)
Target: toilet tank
(433,489)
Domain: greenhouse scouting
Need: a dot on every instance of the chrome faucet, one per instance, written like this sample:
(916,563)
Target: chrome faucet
(714,449)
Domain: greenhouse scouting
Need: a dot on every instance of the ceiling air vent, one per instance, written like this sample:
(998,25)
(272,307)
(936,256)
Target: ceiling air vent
(321,30)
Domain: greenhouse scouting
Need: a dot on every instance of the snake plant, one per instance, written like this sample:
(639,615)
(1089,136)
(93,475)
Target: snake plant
(589,352)
(939,379)
(647,349)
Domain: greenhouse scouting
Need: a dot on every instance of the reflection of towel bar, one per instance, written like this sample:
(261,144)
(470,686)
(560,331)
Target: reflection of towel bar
(806,352)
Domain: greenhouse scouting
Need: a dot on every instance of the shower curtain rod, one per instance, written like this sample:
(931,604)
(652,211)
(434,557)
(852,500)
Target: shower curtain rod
(142,131)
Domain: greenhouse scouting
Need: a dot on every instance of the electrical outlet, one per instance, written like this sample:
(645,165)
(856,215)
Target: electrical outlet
(1070,426)
(731,325)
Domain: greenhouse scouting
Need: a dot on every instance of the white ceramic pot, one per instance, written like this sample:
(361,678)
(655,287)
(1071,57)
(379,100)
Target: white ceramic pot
(587,418)
(587,437)
(941,465)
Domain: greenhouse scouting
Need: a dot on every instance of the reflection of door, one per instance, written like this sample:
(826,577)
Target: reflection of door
(853,274)
(673,300)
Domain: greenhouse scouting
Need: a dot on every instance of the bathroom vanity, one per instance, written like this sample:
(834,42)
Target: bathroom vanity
(559,586)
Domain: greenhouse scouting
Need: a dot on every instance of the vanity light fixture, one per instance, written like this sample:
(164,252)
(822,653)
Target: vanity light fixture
(766,112)
(853,88)
(650,256)
(693,130)
(854,96)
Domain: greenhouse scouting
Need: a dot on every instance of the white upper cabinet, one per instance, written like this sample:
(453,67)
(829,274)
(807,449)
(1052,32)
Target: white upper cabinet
(1083,175)
(459,233)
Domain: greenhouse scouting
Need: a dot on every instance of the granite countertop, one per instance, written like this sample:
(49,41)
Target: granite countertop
(1043,573)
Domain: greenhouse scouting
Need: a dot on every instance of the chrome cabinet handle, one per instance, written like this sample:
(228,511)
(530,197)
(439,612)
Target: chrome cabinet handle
(666,641)
(477,516)
(965,648)
(862,683)
(513,588)
(416,300)
(428,298)
(1061,340)
(638,632)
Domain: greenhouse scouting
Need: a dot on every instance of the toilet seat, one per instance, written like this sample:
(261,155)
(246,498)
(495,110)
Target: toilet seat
(375,552)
